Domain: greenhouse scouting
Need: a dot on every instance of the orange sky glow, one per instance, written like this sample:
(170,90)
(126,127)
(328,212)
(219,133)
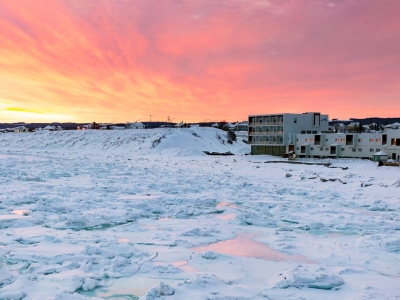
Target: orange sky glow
(197,60)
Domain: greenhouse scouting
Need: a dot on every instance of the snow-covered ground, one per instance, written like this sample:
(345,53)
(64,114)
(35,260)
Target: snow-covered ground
(145,213)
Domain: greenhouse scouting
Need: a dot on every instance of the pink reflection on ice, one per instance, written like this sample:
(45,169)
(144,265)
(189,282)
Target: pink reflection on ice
(226,217)
(183,265)
(221,204)
(243,245)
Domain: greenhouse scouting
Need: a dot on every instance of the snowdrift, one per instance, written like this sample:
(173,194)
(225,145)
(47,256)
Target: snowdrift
(166,141)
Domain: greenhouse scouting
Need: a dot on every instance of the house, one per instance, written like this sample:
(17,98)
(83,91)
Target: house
(242,126)
(229,126)
(49,128)
(92,125)
(134,125)
(182,125)
(21,129)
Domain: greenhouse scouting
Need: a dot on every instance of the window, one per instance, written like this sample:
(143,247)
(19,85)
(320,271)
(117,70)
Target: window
(326,149)
(342,149)
(353,149)
(371,149)
(312,148)
(359,140)
(297,148)
(311,140)
(395,142)
(359,150)
(371,140)
(378,140)
(326,140)
(342,140)
(306,140)
(295,120)
(298,140)
(321,149)
(337,140)
(377,150)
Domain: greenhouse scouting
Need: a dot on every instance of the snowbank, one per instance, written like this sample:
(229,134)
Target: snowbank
(166,141)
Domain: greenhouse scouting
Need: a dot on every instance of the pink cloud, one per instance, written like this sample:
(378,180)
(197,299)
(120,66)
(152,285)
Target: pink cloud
(201,59)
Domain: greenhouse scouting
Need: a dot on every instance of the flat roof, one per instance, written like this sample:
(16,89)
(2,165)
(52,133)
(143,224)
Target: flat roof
(277,114)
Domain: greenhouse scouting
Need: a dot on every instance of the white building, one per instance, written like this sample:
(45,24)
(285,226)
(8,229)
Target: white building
(275,134)
(135,125)
(307,135)
(242,126)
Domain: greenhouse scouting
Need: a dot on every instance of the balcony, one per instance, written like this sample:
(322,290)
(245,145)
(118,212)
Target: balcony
(265,132)
(266,143)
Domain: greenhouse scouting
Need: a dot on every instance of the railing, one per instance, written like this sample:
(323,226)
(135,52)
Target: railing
(266,143)
(265,132)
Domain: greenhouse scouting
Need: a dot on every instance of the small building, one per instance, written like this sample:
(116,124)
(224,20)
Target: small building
(92,125)
(229,126)
(134,125)
(380,156)
(182,125)
(242,126)
(21,129)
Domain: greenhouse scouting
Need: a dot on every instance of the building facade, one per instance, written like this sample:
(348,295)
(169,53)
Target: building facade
(275,134)
(307,135)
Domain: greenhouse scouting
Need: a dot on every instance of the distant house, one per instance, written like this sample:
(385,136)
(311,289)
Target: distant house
(242,126)
(115,127)
(21,129)
(229,126)
(92,125)
(49,128)
(182,125)
(134,125)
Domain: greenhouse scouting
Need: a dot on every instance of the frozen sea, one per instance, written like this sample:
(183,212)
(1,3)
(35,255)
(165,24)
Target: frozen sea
(145,214)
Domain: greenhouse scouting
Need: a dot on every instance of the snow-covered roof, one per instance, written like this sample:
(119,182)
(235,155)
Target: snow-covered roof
(381,153)
(395,125)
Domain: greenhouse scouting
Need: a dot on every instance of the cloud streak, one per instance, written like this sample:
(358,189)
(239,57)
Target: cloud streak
(194,60)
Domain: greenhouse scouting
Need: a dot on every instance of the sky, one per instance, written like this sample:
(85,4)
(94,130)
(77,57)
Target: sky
(197,60)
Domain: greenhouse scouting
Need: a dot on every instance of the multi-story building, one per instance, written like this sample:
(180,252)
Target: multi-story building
(307,135)
(274,134)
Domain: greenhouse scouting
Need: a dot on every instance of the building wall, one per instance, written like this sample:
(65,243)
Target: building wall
(361,145)
(302,131)
(279,129)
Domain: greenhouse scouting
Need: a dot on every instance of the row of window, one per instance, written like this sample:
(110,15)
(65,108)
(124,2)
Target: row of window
(266,138)
(266,129)
(343,149)
(341,140)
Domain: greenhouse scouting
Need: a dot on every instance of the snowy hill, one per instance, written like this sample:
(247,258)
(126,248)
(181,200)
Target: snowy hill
(166,141)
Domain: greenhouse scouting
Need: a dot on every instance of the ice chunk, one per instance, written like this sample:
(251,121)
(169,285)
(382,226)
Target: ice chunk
(301,277)
(210,255)
(158,292)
